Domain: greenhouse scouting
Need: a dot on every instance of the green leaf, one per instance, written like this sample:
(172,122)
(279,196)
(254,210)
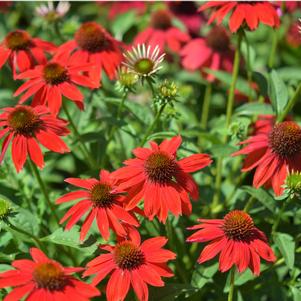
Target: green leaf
(289,73)
(277,92)
(203,274)
(242,85)
(123,23)
(222,150)
(286,245)
(262,196)
(171,291)
(69,238)
(254,108)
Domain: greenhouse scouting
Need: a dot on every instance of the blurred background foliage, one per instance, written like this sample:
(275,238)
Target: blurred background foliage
(278,282)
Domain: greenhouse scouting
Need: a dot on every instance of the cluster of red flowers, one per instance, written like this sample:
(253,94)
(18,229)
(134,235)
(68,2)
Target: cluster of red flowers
(155,179)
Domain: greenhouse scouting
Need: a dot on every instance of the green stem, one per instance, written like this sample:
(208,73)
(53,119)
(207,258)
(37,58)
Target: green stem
(149,81)
(58,32)
(153,125)
(172,245)
(249,69)
(44,190)
(206,106)
(273,50)
(232,283)
(84,149)
(290,104)
(249,204)
(230,104)
(279,215)
(33,237)
(114,128)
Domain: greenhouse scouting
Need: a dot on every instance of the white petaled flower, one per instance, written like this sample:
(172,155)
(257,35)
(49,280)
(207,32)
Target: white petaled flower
(143,60)
(299,27)
(51,13)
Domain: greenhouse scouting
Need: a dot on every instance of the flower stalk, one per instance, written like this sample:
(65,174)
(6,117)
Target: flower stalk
(83,147)
(44,190)
(290,104)
(230,104)
(206,106)
(232,284)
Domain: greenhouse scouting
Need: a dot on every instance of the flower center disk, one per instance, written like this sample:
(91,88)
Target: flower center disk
(55,74)
(285,139)
(238,225)
(218,39)
(91,37)
(160,167)
(161,19)
(101,195)
(128,256)
(49,276)
(23,120)
(18,40)
(144,66)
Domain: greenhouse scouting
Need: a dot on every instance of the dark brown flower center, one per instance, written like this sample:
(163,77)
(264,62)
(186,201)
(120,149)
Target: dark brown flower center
(161,19)
(49,276)
(23,120)
(128,256)
(18,40)
(160,167)
(101,195)
(184,8)
(55,74)
(285,139)
(218,39)
(91,37)
(238,225)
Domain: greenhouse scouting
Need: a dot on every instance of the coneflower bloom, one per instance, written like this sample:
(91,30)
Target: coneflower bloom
(93,44)
(27,127)
(161,32)
(236,239)
(131,263)
(293,35)
(120,7)
(187,13)
(244,13)
(164,183)
(56,78)
(51,13)
(103,201)
(44,279)
(273,154)
(216,52)
(144,61)
(22,51)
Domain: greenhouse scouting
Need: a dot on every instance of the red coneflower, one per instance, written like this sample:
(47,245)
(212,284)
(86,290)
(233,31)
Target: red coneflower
(216,52)
(103,200)
(117,8)
(44,279)
(237,240)
(93,44)
(187,12)
(131,263)
(164,183)
(245,13)
(25,127)
(293,36)
(23,51)
(56,78)
(273,154)
(162,33)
